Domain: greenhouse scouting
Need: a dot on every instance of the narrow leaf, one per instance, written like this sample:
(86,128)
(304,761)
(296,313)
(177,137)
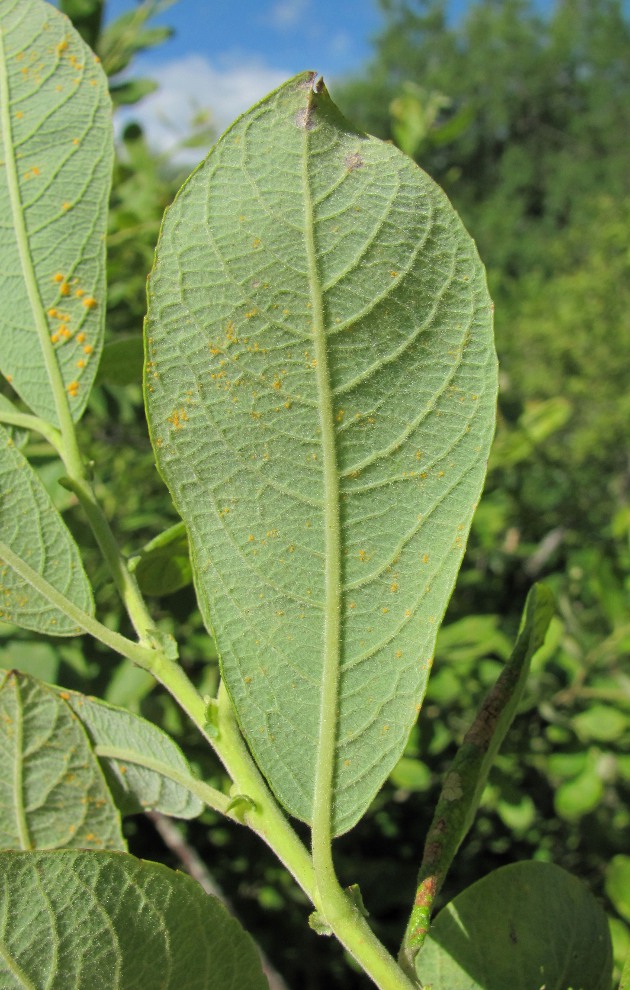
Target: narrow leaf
(464,783)
(56,150)
(146,759)
(320,384)
(32,530)
(526,925)
(79,920)
(625,976)
(52,792)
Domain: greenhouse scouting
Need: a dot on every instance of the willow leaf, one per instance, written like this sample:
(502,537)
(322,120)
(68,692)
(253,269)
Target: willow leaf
(56,149)
(320,386)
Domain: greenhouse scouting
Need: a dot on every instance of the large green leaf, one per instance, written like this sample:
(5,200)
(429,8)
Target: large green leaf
(82,920)
(529,925)
(56,150)
(320,383)
(52,791)
(146,769)
(32,532)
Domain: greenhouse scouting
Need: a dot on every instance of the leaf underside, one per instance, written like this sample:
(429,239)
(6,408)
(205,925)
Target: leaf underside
(138,786)
(80,920)
(52,792)
(56,147)
(320,384)
(33,530)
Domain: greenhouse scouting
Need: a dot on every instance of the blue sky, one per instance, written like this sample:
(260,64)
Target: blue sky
(226,54)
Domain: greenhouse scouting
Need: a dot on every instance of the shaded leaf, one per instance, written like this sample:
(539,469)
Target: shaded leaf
(319,351)
(52,791)
(32,530)
(78,920)
(525,925)
(57,149)
(145,758)
(163,565)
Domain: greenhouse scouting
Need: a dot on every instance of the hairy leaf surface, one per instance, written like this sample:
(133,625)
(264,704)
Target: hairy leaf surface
(52,792)
(32,530)
(140,758)
(56,149)
(80,920)
(320,384)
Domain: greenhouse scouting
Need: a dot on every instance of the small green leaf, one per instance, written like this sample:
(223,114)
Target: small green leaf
(618,884)
(320,384)
(32,531)
(81,920)
(131,91)
(601,723)
(52,791)
(526,925)
(56,145)
(140,759)
(163,565)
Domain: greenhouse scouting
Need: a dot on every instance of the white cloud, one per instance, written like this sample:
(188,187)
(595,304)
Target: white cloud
(286,14)
(192,84)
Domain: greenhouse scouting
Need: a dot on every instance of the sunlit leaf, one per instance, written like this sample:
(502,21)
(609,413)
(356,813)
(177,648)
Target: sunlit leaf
(320,384)
(56,147)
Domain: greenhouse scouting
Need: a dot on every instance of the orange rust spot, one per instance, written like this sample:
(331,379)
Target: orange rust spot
(88,349)
(394,274)
(277,384)
(61,46)
(178,418)
(80,337)
(425,558)
(362,555)
(256,242)
(340,414)
(64,289)
(52,313)
(89,302)
(80,363)
(73,389)
(18,115)
(64,695)
(399,654)
(393,588)
(66,206)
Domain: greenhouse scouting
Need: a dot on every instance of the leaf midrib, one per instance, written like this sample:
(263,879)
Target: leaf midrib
(329,699)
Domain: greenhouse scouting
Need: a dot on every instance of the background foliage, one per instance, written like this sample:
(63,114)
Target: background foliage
(523,119)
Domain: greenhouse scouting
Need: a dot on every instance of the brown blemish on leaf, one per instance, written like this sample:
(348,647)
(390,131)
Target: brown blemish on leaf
(354,161)
(304,118)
